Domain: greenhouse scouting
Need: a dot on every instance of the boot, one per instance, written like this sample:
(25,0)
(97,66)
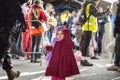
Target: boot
(12,75)
(85,63)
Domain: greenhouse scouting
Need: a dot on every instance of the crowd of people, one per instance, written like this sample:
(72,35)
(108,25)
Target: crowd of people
(59,36)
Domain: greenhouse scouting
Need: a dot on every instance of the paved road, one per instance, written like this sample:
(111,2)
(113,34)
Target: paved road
(33,71)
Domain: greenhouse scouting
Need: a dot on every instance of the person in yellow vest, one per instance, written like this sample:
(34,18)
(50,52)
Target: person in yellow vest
(89,27)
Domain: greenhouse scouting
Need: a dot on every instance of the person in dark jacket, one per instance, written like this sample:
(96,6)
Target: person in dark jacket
(102,19)
(116,66)
(10,12)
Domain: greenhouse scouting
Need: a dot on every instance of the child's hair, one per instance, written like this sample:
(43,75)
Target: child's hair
(65,23)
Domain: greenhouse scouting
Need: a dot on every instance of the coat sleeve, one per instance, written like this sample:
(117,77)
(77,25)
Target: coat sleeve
(93,11)
(15,10)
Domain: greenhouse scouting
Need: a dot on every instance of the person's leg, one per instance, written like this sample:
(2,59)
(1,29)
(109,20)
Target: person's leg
(38,40)
(32,48)
(7,63)
(91,50)
(117,51)
(8,68)
(85,44)
(5,42)
(116,66)
(100,42)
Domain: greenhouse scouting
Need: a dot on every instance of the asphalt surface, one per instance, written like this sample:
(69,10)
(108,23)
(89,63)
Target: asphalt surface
(33,71)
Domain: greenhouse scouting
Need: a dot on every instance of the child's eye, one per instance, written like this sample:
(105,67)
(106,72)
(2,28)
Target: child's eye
(58,33)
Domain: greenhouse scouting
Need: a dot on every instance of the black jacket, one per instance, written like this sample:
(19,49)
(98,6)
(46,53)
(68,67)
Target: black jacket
(117,21)
(10,11)
(101,26)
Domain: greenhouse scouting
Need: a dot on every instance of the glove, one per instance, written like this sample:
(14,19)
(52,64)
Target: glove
(48,48)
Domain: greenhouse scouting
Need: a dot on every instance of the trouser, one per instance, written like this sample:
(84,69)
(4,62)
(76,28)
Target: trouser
(35,46)
(100,42)
(5,40)
(86,41)
(117,50)
(6,62)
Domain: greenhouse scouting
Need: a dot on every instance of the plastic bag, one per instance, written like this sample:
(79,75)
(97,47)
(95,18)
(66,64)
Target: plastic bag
(78,56)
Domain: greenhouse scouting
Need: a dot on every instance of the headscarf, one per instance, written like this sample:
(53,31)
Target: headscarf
(59,28)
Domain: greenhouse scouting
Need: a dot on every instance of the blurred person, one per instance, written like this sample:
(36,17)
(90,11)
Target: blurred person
(108,34)
(65,24)
(110,50)
(89,27)
(116,66)
(62,63)
(71,25)
(25,7)
(37,13)
(102,20)
(26,37)
(10,12)
(57,17)
(49,8)
(70,20)
(93,46)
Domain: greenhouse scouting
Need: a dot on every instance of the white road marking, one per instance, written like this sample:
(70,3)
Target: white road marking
(3,77)
(87,75)
(69,78)
(24,74)
(31,73)
(42,78)
(116,78)
(108,65)
(47,78)
(99,65)
(84,69)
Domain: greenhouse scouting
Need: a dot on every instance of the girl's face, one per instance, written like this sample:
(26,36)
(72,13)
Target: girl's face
(60,35)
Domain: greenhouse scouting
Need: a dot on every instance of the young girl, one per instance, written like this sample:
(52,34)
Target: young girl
(62,62)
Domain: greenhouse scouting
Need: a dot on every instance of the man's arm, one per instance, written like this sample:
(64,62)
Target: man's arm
(93,11)
(16,11)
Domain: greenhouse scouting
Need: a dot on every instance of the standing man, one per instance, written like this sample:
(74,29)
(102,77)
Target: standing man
(116,65)
(10,11)
(90,26)
(102,20)
(49,8)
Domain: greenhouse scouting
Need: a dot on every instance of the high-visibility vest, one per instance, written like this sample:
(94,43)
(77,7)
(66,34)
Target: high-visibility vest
(91,24)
